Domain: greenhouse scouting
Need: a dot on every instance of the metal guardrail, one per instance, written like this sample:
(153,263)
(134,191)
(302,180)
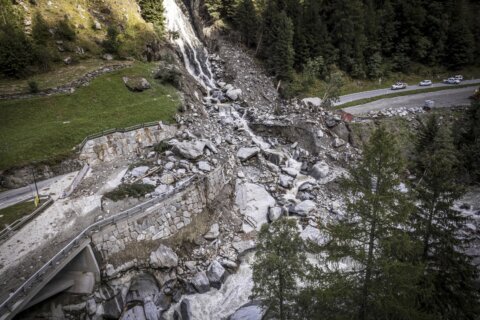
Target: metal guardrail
(6,233)
(81,174)
(114,130)
(21,291)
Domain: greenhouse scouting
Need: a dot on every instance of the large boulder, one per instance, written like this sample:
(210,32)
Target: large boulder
(191,150)
(304,208)
(253,202)
(216,274)
(163,257)
(320,170)
(185,309)
(234,94)
(274,156)
(274,213)
(143,288)
(200,282)
(250,311)
(136,84)
(135,313)
(285,181)
(246,153)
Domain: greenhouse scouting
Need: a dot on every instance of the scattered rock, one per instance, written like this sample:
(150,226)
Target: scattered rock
(337,143)
(274,213)
(246,153)
(107,56)
(68,60)
(304,208)
(213,233)
(204,166)
(285,181)
(234,94)
(243,246)
(253,202)
(200,282)
(320,170)
(163,257)
(191,150)
(185,309)
(216,274)
(250,311)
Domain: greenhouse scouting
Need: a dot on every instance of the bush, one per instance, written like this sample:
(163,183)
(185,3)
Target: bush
(40,30)
(135,190)
(33,87)
(43,58)
(162,146)
(65,30)
(111,44)
(168,73)
(16,51)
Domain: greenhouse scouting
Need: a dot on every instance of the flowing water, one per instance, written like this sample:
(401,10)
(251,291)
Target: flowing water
(182,33)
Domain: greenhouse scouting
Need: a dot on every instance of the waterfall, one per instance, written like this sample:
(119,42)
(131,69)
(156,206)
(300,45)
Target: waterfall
(182,33)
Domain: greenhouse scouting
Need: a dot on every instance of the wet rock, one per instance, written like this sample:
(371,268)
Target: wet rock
(274,213)
(293,172)
(253,202)
(306,186)
(246,153)
(213,233)
(185,310)
(250,311)
(113,305)
(136,84)
(91,306)
(135,313)
(200,282)
(216,274)
(304,208)
(163,257)
(320,170)
(144,288)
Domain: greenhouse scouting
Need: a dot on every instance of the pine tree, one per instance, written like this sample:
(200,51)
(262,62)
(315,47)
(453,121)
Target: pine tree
(281,54)
(467,140)
(280,262)
(246,21)
(16,51)
(380,280)
(152,11)
(460,40)
(449,271)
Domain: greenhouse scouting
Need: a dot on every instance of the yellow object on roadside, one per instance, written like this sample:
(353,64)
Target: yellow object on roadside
(36,201)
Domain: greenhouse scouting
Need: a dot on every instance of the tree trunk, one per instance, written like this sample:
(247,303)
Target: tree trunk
(368,273)
(428,231)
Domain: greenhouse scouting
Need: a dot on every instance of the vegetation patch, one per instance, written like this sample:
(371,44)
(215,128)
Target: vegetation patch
(11,214)
(44,128)
(135,190)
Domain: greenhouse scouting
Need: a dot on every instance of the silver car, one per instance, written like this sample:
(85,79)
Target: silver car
(425,83)
(399,85)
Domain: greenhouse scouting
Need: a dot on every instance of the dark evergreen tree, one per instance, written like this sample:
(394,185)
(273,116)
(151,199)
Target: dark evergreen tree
(460,40)
(16,51)
(281,54)
(449,271)
(247,22)
(152,11)
(280,263)
(467,140)
(40,30)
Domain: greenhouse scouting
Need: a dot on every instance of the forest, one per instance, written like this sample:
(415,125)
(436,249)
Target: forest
(363,38)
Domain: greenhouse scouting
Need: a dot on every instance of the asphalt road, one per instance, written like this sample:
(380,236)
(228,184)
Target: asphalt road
(442,99)
(14,196)
(380,92)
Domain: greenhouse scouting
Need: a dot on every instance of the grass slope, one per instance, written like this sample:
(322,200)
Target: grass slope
(11,214)
(47,128)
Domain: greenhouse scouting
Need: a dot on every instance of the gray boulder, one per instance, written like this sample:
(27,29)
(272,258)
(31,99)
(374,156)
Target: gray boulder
(285,181)
(204,166)
(304,208)
(144,288)
(274,156)
(213,233)
(185,309)
(163,257)
(337,143)
(107,56)
(200,282)
(135,313)
(246,153)
(191,150)
(234,94)
(216,274)
(320,170)
(274,213)
(136,84)
(250,311)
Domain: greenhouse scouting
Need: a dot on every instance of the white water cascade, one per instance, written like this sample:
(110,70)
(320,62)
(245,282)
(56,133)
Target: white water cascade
(182,33)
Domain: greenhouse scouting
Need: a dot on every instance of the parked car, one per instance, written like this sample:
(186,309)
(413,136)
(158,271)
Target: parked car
(399,85)
(425,83)
(459,77)
(451,81)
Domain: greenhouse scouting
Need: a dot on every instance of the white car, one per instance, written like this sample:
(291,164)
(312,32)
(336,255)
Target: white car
(425,83)
(399,85)
(459,77)
(451,81)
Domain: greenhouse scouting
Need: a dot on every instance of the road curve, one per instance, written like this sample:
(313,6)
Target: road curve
(380,92)
(446,98)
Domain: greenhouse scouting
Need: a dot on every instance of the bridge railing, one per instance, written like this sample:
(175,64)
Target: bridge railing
(9,303)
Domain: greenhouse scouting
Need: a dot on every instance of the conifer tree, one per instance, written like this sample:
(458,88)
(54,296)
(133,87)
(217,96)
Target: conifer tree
(152,11)
(380,279)
(467,140)
(40,30)
(449,271)
(246,21)
(460,40)
(280,262)
(281,54)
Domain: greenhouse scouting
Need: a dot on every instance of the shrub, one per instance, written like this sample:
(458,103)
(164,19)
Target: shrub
(110,44)
(33,87)
(168,74)
(40,30)
(135,190)
(16,52)
(162,146)
(65,30)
